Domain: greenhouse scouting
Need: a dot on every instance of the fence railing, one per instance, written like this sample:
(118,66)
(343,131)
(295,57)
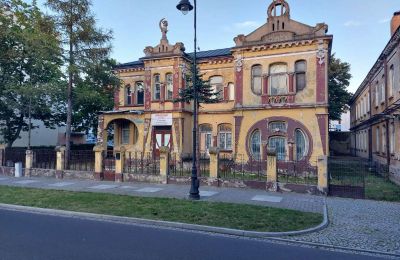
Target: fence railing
(13,156)
(44,159)
(298,172)
(181,166)
(81,160)
(141,163)
(108,160)
(235,167)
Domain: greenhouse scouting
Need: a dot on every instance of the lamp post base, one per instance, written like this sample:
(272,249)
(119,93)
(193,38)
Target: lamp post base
(194,193)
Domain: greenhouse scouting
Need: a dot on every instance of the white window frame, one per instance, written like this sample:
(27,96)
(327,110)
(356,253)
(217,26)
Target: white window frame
(157,87)
(125,129)
(255,155)
(280,89)
(169,86)
(217,86)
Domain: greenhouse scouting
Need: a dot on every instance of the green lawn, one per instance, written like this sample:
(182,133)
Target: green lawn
(377,188)
(246,217)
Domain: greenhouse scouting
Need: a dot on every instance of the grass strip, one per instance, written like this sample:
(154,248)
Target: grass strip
(237,216)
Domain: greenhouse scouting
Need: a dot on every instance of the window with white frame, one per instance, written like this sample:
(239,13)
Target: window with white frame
(392,138)
(156,87)
(255,144)
(391,81)
(139,93)
(278,79)
(125,133)
(382,92)
(377,140)
(225,137)
(217,86)
(277,126)
(205,137)
(128,95)
(231,91)
(301,145)
(300,72)
(169,86)
(256,79)
(279,144)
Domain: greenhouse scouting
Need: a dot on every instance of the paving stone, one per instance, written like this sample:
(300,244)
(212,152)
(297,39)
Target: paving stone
(273,199)
(25,182)
(149,190)
(61,184)
(204,193)
(103,187)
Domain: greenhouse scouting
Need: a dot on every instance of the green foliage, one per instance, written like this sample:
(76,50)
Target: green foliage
(339,81)
(29,69)
(205,93)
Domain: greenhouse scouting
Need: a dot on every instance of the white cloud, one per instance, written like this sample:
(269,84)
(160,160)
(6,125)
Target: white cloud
(247,25)
(384,20)
(352,23)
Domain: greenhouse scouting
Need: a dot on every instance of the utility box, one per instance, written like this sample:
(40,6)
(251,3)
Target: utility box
(18,169)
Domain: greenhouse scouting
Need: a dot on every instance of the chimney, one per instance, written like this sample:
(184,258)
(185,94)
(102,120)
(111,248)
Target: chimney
(395,24)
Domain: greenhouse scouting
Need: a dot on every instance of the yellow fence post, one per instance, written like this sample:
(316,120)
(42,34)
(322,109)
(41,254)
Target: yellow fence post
(28,162)
(119,164)
(60,164)
(98,162)
(272,170)
(164,163)
(323,174)
(214,162)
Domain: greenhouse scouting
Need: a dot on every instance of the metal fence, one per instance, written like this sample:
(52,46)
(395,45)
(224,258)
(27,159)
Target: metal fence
(109,161)
(81,160)
(13,156)
(44,159)
(141,163)
(181,165)
(298,172)
(235,167)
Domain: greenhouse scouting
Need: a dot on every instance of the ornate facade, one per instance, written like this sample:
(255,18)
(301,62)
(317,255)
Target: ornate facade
(273,85)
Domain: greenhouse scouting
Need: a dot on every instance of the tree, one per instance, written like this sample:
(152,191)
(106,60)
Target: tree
(29,69)
(85,45)
(339,81)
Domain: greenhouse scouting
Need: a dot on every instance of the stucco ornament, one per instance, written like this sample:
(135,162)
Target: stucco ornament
(239,63)
(164,27)
(321,53)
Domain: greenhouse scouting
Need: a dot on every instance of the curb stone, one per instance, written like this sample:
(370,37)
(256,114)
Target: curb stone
(159,223)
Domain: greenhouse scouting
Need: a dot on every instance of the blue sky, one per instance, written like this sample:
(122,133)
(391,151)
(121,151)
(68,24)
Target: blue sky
(361,28)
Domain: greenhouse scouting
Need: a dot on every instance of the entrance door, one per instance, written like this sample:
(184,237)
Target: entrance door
(162,137)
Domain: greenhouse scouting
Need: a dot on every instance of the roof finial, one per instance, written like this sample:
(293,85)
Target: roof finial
(164,28)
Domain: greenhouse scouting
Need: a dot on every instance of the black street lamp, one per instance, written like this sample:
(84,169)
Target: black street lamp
(185,7)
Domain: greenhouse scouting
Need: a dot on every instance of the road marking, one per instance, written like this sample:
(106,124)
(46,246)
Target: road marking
(25,182)
(149,190)
(103,187)
(61,184)
(267,198)
(204,193)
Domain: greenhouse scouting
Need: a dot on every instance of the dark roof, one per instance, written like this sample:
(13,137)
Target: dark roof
(200,55)
(211,53)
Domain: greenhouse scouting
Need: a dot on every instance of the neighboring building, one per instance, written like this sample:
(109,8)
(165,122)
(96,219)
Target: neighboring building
(375,107)
(273,85)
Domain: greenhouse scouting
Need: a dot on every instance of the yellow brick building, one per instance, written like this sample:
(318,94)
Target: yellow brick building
(273,85)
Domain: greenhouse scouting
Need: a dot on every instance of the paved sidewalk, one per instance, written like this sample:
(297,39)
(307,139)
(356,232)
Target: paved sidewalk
(301,202)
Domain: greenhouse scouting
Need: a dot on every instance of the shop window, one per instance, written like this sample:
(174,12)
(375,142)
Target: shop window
(157,87)
(169,86)
(301,145)
(278,79)
(225,137)
(217,86)
(277,127)
(140,93)
(279,144)
(256,79)
(301,69)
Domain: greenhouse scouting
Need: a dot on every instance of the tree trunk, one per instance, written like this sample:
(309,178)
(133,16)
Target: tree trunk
(69,96)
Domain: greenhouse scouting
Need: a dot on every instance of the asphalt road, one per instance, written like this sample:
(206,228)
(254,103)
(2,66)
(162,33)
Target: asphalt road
(33,236)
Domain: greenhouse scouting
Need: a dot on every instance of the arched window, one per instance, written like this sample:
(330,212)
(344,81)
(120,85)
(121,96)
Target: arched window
(217,86)
(301,145)
(139,93)
(256,79)
(169,89)
(301,69)
(225,137)
(231,91)
(278,79)
(128,95)
(279,143)
(205,137)
(156,87)
(255,144)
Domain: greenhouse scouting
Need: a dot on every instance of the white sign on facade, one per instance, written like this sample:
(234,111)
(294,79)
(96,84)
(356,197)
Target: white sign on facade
(161,119)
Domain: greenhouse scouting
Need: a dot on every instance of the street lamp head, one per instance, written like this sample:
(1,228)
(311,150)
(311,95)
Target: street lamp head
(185,6)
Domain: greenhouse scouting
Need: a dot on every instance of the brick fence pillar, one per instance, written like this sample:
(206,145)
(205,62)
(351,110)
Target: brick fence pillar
(214,162)
(28,162)
(60,163)
(98,162)
(323,174)
(272,170)
(119,164)
(164,163)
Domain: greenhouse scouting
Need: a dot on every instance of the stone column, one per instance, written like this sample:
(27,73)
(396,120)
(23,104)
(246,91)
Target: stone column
(98,162)
(28,162)
(323,174)
(164,163)
(272,170)
(214,162)
(60,164)
(119,165)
